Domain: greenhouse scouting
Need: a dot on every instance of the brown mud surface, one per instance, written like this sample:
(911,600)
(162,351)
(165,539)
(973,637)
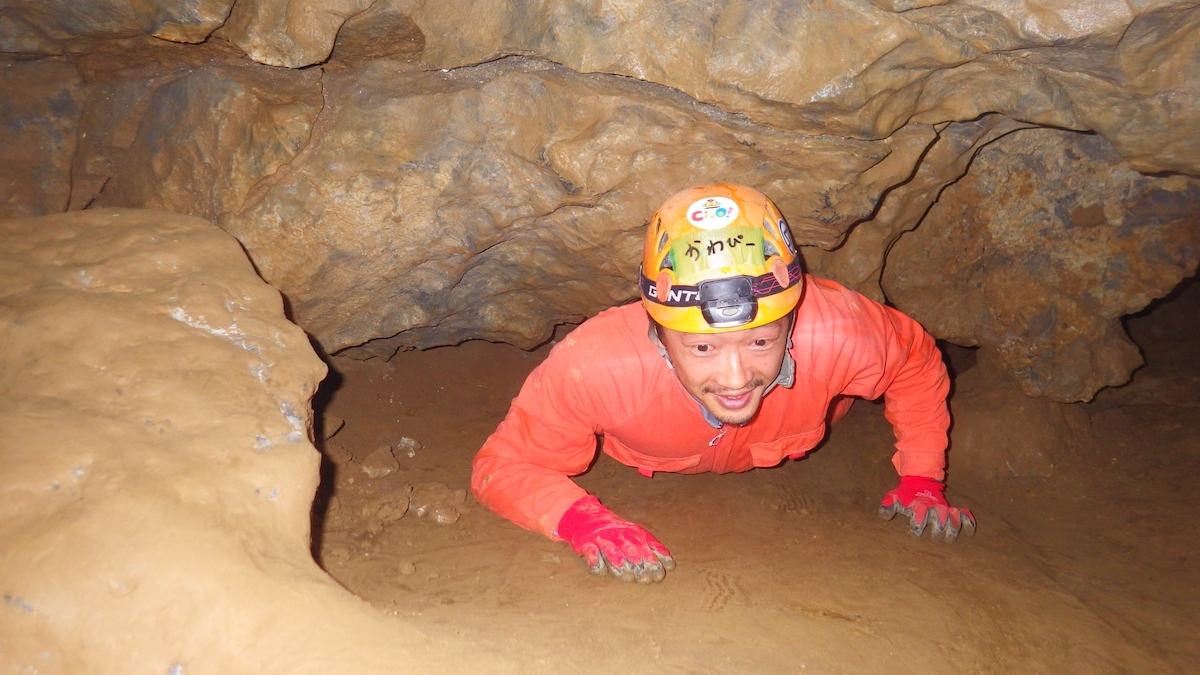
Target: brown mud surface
(1094,569)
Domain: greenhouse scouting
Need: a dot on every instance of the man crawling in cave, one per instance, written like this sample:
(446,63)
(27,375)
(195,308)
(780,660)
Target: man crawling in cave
(734,359)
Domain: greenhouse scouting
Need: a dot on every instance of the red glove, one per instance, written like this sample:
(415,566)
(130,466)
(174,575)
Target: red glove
(609,543)
(923,500)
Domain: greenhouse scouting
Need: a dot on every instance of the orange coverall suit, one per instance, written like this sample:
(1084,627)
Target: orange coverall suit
(608,377)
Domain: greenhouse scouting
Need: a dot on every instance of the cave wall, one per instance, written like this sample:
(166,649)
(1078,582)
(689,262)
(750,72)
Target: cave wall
(407,178)
(1042,247)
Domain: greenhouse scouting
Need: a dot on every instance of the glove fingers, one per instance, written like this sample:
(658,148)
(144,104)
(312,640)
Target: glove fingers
(918,518)
(615,552)
(932,523)
(596,562)
(953,525)
(660,552)
(615,560)
(630,560)
(655,560)
(968,521)
(651,573)
(938,522)
(624,573)
(889,508)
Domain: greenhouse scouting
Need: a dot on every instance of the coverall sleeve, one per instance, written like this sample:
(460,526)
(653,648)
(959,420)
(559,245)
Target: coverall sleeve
(901,362)
(522,472)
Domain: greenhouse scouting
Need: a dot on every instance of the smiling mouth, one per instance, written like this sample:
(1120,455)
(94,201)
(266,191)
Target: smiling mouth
(735,400)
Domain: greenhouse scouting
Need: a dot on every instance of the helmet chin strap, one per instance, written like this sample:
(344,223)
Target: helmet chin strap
(656,337)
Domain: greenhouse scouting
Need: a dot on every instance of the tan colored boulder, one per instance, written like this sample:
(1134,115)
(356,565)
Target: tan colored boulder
(156,467)
(40,106)
(1038,252)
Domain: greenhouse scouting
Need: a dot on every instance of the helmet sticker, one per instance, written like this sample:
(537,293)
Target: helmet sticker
(787,236)
(732,247)
(712,213)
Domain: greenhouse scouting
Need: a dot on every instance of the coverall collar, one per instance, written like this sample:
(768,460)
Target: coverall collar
(786,377)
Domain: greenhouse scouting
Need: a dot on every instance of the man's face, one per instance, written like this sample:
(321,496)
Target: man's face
(728,372)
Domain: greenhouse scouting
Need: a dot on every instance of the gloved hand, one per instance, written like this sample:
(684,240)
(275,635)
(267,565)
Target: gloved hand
(612,544)
(923,500)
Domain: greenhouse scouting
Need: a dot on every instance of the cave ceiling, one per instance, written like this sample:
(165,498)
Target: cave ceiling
(1018,175)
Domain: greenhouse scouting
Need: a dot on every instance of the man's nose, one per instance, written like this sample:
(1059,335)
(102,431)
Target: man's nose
(734,374)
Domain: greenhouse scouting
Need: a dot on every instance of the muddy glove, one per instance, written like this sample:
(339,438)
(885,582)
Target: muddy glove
(923,500)
(609,543)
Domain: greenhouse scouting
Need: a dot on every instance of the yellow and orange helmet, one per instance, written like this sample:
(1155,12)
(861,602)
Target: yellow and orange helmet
(719,258)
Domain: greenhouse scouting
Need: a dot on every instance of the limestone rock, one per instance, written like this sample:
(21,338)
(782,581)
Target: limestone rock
(865,71)
(330,425)
(852,68)
(392,508)
(399,208)
(492,202)
(40,106)
(1144,95)
(408,447)
(121,76)
(51,26)
(205,139)
(289,33)
(156,467)
(831,67)
(1038,252)
(380,462)
(438,503)
(382,31)
(858,263)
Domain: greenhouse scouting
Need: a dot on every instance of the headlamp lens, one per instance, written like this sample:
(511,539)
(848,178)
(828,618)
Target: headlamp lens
(727,303)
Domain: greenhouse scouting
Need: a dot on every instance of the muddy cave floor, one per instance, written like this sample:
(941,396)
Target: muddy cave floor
(1094,569)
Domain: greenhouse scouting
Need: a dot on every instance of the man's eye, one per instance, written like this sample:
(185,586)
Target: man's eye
(760,343)
(702,349)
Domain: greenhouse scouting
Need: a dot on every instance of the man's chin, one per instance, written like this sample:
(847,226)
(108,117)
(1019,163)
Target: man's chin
(735,417)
